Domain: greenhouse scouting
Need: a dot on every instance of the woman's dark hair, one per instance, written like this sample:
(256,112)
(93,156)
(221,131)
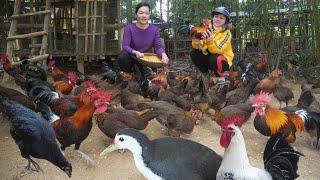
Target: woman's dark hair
(142,4)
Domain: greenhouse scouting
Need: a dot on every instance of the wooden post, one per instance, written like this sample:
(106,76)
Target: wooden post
(86,38)
(44,46)
(95,4)
(80,64)
(33,40)
(102,37)
(12,31)
(79,59)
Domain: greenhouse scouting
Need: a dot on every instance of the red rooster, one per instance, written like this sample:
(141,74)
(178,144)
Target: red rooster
(75,128)
(197,31)
(67,105)
(56,73)
(280,159)
(270,121)
(65,87)
(8,68)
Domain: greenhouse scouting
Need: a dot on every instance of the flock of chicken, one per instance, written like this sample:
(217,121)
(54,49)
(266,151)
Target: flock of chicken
(65,109)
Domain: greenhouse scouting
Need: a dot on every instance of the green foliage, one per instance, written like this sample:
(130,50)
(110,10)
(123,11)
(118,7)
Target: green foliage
(303,60)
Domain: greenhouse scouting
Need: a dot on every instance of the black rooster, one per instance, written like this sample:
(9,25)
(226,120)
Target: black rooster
(34,137)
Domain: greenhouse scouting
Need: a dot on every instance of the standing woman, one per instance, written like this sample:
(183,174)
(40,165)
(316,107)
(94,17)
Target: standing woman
(217,41)
(138,38)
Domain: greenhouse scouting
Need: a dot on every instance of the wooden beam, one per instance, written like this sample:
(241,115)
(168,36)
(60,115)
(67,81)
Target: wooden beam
(24,26)
(90,34)
(35,46)
(29,35)
(94,16)
(30,14)
(34,59)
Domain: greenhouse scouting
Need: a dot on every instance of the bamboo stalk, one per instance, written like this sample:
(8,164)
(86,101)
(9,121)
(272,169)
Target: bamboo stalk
(30,14)
(29,35)
(284,37)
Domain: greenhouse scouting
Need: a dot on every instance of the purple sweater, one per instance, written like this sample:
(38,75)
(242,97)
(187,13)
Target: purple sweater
(143,40)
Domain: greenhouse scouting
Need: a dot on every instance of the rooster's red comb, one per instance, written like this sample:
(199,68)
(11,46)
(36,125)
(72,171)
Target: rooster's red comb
(3,58)
(90,84)
(52,62)
(237,120)
(72,76)
(262,97)
(101,94)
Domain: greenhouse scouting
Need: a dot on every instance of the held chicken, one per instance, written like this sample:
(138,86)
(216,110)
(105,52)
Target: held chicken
(270,121)
(34,137)
(197,31)
(280,159)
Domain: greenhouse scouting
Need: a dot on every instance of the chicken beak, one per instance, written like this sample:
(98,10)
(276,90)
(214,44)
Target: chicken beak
(109,149)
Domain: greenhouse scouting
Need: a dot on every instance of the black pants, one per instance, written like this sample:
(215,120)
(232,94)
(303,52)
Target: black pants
(126,63)
(207,62)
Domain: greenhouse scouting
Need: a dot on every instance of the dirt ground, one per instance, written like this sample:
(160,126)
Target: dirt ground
(118,166)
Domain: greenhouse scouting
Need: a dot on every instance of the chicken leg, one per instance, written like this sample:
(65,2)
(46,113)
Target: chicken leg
(31,167)
(36,166)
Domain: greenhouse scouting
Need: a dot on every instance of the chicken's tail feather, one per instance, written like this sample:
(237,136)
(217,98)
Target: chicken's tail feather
(280,159)
(42,93)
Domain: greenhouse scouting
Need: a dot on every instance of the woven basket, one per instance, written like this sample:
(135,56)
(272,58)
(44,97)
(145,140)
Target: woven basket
(151,60)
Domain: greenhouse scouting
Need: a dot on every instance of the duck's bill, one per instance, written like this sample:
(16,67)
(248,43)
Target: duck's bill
(109,149)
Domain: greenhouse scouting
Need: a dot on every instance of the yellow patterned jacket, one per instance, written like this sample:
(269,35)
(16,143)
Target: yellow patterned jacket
(219,44)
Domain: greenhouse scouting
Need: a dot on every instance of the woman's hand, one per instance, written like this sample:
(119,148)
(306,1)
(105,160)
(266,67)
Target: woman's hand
(165,58)
(138,54)
(208,35)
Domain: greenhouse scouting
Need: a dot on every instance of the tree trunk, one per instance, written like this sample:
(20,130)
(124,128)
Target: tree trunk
(315,16)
